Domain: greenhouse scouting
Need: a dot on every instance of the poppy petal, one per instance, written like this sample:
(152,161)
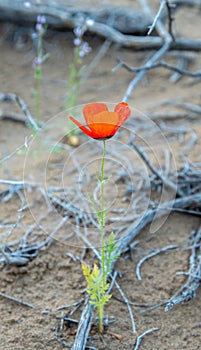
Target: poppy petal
(123,111)
(82,127)
(93,108)
(104,124)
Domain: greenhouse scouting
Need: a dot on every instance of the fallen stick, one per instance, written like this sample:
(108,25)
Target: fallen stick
(125,19)
(141,336)
(66,17)
(151,255)
(10,97)
(168,183)
(191,202)
(19,301)
(83,327)
(157,65)
(188,291)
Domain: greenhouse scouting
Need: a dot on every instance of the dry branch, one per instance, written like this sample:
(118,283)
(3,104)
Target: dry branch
(18,301)
(142,42)
(25,145)
(187,3)
(151,255)
(157,65)
(84,327)
(188,202)
(12,116)
(188,291)
(141,336)
(63,17)
(167,42)
(10,98)
(167,182)
(124,19)
(165,46)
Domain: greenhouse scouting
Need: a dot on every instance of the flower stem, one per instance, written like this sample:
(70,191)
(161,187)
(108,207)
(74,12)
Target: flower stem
(38,92)
(38,76)
(100,317)
(102,221)
(102,227)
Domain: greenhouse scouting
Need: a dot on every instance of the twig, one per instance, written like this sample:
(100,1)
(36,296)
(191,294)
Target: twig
(87,242)
(158,24)
(192,201)
(153,307)
(170,18)
(182,130)
(141,74)
(12,116)
(188,291)
(128,306)
(15,98)
(189,106)
(12,182)
(25,252)
(140,337)
(157,65)
(182,62)
(188,2)
(165,180)
(25,144)
(19,301)
(151,28)
(151,255)
(167,42)
(62,17)
(83,327)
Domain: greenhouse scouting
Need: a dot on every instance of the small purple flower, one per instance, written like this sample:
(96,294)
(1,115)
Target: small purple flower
(27,4)
(89,22)
(84,49)
(41,19)
(77,41)
(39,27)
(79,31)
(37,62)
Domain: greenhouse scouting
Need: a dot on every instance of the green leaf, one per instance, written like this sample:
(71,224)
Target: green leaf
(45,57)
(38,72)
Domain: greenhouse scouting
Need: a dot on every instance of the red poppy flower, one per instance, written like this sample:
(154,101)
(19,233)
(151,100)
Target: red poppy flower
(103,124)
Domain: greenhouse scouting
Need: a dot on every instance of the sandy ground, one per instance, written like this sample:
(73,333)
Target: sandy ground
(53,279)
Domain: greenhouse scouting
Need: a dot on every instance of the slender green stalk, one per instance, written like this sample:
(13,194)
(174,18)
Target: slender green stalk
(74,85)
(100,317)
(38,61)
(38,76)
(81,49)
(102,227)
(97,277)
(103,211)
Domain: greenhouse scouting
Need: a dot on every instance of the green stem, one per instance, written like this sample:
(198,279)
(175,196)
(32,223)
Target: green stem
(38,77)
(38,92)
(74,85)
(102,227)
(100,317)
(102,221)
